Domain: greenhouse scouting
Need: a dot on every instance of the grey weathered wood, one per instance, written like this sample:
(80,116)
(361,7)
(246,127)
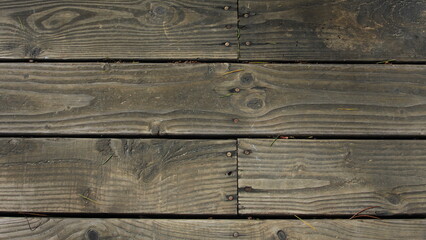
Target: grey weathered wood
(169,99)
(159,229)
(131,29)
(333,30)
(328,177)
(117,176)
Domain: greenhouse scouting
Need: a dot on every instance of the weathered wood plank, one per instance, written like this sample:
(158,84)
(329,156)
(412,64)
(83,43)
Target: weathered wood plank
(91,229)
(169,99)
(131,29)
(332,176)
(118,176)
(333,30)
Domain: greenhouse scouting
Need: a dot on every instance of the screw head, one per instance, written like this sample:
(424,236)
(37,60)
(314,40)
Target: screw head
(235,234)
(248,43)
(246,15)
(247,152)
(227,44)
(229,154)
(226,8)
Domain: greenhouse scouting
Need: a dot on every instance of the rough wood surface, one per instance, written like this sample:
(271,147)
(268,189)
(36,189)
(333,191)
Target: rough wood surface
(130,29)
(93,229)
(117,176)
(333,30)
(168,99)
(325,177)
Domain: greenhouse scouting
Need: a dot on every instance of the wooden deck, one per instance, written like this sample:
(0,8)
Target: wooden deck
(212,119)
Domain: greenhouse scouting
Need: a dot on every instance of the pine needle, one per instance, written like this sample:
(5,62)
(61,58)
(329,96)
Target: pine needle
(88,199)
(230,72)
(306,223)
(108,159)
(275,139)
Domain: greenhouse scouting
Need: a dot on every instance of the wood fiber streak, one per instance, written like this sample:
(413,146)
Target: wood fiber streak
(332,30)
(326,177)
(165,229)
(117,176)
(129,29)
(201,99)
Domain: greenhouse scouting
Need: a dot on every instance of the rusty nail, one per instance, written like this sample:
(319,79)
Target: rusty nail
(246,15)
(235,120)
(237,90)
(226,8)
(230,197)
(248,43)
(229,154)
(227,44)
(248,189)
(236,234)
(247,152)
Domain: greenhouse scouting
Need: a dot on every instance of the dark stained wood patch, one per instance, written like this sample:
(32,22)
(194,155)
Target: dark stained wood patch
(326,177)
(165,229)
(201,99)
(98,29)
(117,176)
(332,30)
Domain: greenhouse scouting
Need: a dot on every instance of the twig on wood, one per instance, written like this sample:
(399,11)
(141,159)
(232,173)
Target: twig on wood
(363,210)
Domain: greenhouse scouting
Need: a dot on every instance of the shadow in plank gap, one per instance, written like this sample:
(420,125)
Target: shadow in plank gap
(146,176)
(332,177)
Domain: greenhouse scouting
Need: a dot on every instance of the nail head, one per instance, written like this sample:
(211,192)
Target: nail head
(248,43)
(235,120)
(246,15)
(247,152)
(237,90)
(227,44)
(230,197)
(226,8)
(229,154)
(236,234)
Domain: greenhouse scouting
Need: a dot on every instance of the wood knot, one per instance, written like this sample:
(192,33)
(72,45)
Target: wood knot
(92,235)
(255,103)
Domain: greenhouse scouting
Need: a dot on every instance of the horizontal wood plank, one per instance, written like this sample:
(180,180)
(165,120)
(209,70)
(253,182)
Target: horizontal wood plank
(332,30)
(130,29)
(117,176)
(202,99)
(165,229)
(326,177)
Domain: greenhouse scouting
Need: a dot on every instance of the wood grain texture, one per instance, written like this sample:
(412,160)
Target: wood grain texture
(325,177)
(130,29)
(91,229)
(333,30)
(117,176)
(198,99)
